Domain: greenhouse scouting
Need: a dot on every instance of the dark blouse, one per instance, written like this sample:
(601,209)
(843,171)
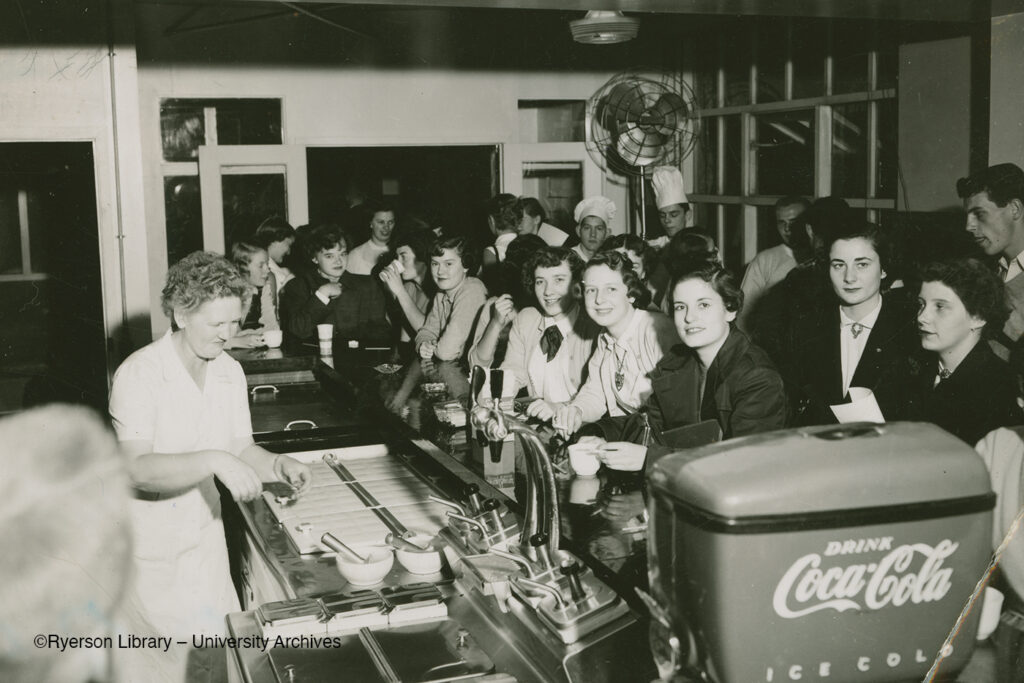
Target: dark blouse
(358,313)
(980,395)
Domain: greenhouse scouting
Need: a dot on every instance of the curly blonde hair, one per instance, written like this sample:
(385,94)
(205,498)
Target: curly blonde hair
(200,277)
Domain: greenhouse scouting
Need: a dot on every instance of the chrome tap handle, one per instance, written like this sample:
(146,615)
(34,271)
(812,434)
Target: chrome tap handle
(531,585)
(512,557)
(571,571)
(539,542)
(471,521)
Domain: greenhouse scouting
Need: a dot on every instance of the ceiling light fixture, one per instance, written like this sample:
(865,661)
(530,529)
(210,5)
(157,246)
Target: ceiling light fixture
(601,28)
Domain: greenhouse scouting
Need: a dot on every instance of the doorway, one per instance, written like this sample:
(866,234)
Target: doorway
(437,185)
(52,334)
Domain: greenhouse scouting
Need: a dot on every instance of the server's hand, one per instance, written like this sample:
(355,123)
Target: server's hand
(293,472)
(623,455)
(240,479)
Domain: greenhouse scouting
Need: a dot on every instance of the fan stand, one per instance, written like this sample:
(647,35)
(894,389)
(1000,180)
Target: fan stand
(643,203)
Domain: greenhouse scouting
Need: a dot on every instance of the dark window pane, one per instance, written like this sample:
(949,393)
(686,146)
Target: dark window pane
(706,217)
(248,200)
(850,59)
(41,219)
(785,152)
(182,128)
(10,232)
(248,122)
(184,216)
(733,157)
(850,150)
(706,73)
(736,60)
(809,40)
(772,38)
(732,250)
(239,122)
(706,155)
(887,170)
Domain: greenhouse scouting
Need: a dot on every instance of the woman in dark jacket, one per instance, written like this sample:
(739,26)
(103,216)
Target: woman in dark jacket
(326,293)
(864,338)
(716,374)
(961,385)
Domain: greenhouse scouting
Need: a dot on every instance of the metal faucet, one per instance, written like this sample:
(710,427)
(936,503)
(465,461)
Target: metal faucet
(542,514)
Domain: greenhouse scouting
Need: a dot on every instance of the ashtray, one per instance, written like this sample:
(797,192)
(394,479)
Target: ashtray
(433,387)
(387,368)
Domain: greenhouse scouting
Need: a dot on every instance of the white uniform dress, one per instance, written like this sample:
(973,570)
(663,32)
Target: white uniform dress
(182,585)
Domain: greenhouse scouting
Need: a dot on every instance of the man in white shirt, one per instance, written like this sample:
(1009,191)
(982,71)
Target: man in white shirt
(363,259)
(994,202)
(673,205)
(771,265)
(533,222)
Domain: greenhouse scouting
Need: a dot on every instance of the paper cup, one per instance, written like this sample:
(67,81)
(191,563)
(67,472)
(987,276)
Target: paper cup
(991,608)
(583,460)
(273,338)
(584,490)
(325,332)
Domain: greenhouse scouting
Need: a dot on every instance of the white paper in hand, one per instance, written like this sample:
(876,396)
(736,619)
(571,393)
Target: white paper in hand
(862,407)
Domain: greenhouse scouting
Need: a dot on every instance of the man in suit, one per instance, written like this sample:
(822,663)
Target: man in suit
(994,202)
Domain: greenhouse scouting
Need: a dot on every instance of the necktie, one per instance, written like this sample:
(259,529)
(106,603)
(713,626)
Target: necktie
(551,341)
(857,328)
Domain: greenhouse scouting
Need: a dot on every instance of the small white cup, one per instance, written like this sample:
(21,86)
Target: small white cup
(584,490)
(583,460)
(273,338)
(325,333)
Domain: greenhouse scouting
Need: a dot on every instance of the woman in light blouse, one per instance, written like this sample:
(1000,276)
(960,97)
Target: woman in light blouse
(630,345)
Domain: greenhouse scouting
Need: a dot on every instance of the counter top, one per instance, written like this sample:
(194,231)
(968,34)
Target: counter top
(603,518)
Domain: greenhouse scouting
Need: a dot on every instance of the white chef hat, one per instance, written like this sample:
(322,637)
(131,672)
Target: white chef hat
(668,186)
(599,206)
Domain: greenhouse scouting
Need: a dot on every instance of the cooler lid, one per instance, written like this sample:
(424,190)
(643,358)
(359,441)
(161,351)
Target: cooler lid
(823,469)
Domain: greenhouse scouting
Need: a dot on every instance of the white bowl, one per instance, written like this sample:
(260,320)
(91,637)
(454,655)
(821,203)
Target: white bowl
(420,562)
(379,563)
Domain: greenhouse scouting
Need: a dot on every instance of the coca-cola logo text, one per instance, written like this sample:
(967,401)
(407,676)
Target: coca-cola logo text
(806,587)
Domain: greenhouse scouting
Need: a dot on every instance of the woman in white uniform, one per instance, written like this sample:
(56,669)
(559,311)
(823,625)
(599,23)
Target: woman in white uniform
(180,410)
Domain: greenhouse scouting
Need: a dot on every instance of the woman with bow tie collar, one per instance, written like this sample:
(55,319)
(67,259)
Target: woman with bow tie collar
(864,340)
(962,386)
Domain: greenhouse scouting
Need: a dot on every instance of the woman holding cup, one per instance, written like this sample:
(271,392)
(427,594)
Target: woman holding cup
(406,277)
(261,315)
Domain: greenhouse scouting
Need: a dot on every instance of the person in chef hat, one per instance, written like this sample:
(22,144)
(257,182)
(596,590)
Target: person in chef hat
(673,206)
(593,218)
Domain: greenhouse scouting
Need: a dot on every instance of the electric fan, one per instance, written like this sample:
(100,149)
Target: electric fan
(636,121)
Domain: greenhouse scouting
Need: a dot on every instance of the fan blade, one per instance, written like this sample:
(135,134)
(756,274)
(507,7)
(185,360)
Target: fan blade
(639,147)
(625,101)
(668,113)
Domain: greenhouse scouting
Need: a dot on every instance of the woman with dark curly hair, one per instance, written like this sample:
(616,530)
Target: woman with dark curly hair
(962,386)
(631,343)
(717,373)
(180,410)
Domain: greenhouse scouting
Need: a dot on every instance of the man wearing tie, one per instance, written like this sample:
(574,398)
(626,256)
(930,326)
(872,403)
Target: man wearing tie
(549,346)
(994,202)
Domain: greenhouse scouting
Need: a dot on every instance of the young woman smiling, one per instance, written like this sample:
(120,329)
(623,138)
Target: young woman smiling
(631,344)
(717,374)
(963,386)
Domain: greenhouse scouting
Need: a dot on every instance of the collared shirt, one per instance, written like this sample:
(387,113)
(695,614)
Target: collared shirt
(450,321)
(631,357)
(281,275)
(852,348)
(1011,268)
(553,379)
(552,235)
(582,254)
(767,269)
(363,259)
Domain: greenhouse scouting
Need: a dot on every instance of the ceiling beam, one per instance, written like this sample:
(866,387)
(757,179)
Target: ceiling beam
(918,10)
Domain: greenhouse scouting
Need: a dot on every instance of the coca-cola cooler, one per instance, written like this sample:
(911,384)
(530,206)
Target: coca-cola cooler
(838,553)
